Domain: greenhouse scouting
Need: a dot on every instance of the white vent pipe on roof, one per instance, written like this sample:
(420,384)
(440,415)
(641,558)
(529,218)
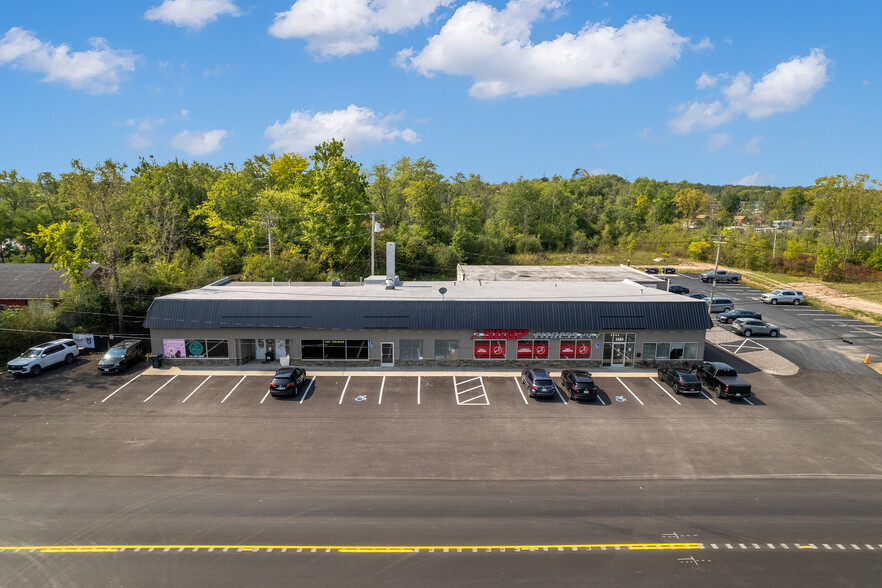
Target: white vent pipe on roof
(390,266)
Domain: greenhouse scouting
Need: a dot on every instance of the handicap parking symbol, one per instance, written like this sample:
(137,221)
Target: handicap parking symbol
(361,398)
(621,399)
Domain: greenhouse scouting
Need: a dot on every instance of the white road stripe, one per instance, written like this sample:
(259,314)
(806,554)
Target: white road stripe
(265,396)
(665,391)
(305,392)
(123,386)
(747,400)
(382,385)
(194,390)
(629,390)
(840,546)
(706,395)
(518,384)
(825,546)
(344,390)
(556,389)
(419,378)
(234,389)
(160,388)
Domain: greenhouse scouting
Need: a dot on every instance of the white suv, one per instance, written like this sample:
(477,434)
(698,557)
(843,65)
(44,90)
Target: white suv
(783,297)
(37,358)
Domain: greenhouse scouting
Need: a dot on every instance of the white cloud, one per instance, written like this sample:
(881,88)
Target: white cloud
(756,179)
(718,141)
(703,45)
(494,48)
(334,28)
(705,81)
(357,126)
(753,146)
(193,14)
(99,70)
(199,142)
(788,87)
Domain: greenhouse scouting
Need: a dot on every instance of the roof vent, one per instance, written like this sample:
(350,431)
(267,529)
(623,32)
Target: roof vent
(335,282)
(390,266)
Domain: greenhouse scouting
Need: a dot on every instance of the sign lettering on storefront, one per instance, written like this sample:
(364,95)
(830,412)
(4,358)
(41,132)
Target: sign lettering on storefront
(499,333)
(564,335)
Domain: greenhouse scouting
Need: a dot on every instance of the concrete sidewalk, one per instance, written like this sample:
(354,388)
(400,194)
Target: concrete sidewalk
(259,368)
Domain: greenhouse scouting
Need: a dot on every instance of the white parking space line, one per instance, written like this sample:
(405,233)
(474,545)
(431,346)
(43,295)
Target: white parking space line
(518,384)
(306,392)
(418,388)
(556,389)
(194,390)
(840,320)
(665,391)
(342,394)
(123,386)
(800,310)
(160,388)
(708,396)
(747,400)
(234,389)
(629,390)
(382,385)
(265,396)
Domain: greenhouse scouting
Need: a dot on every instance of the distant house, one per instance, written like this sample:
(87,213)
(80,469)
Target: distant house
(35,285)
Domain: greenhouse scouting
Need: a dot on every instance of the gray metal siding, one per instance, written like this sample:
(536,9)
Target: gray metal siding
(170,313)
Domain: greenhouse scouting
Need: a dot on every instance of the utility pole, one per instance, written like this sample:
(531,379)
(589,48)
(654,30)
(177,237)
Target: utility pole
(269,234)
(714,279)
(373,226)
(774,244)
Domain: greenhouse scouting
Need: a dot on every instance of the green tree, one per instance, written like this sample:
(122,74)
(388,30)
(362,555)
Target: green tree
(689,202)
(846,207)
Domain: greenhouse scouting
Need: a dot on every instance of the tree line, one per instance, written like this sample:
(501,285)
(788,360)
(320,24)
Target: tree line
(161,228)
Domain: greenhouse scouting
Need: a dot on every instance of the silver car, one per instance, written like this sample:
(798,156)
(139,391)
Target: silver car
(783,297)
(748,327)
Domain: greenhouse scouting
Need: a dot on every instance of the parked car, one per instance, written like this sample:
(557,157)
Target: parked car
(538,382)
(783,297)
(678,289)
(579,384)
(121,356)
(669,270)
(719,304)
(720,276)
(699,296)
(652,270)
(722,379)
(737,313)
(286,381)
(748,327)
(680,379)
(39,357)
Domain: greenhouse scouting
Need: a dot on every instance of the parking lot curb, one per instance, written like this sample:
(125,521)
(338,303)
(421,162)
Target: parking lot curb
(268,371)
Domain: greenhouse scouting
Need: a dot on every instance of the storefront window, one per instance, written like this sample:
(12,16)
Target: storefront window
(676,351)
(410,349)
(334,349)
(574,349)
(213,348)
(662,350)
(690,351)
(649,351)
(486,349)
(532,349)
(446,349)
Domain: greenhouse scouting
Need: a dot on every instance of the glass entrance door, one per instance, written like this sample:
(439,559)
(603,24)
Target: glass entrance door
(387,354)
(618,354)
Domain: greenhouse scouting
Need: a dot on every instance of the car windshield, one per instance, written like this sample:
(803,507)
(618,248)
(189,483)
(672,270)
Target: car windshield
(32,353)
(112,353)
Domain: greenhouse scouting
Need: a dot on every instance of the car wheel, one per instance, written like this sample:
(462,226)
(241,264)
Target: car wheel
(747,332)
(35,371)
(676,389)
(727,309)
(773,301)
(719,391)
(773,333)
(69,358)
(796,302)
(728,321)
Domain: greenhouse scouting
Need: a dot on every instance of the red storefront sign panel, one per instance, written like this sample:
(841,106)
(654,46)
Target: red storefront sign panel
(567,350)
(583,350)
(497,349)
(525,349)
(540,349)
(482,349)
(499,333)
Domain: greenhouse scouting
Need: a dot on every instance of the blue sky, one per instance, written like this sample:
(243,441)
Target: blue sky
(718,92)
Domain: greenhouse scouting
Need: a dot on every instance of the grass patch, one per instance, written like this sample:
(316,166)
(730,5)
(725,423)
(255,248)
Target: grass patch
(871,291)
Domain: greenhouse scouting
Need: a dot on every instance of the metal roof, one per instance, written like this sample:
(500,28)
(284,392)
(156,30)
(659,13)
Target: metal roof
(175,312)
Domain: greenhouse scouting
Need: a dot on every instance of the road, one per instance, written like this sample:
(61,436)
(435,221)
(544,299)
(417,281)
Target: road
(197,531)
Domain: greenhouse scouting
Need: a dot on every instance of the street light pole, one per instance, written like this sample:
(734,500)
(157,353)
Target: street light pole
(714,278)
(373,226)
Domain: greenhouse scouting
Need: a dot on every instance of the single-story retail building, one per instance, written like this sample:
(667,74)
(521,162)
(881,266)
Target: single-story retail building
(384,322)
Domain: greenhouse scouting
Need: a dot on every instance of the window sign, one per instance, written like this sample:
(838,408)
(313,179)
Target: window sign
(173,348)
(575,349)
(490,349)
(532,349)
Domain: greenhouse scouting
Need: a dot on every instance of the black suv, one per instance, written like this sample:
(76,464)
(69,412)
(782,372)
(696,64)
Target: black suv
(579,384)
(680,379)
(538,382)
(121,356)
(287,381)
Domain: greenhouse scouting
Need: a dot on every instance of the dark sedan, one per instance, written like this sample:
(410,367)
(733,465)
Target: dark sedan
(678,289)
(287,381)
(679,379)
(737,313)
(579,384)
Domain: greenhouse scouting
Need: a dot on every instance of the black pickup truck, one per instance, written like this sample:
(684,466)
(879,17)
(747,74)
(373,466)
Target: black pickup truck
(722,379)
